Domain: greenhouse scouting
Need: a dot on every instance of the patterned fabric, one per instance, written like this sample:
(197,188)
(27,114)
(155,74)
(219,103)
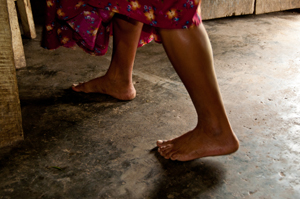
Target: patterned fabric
(87,23)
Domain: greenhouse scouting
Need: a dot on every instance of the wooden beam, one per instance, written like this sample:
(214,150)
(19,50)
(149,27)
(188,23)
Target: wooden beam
(265,6)
(211,9)
(18,50)
(10,110)
(24,9)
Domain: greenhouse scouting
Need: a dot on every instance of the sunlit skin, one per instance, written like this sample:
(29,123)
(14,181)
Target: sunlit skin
(190,53)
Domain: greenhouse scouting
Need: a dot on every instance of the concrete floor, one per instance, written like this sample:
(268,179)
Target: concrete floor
(94,146)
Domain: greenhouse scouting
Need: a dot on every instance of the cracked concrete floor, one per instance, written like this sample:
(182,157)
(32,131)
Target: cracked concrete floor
(93,146)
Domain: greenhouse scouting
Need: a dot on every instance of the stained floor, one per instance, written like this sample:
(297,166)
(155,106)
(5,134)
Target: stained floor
(94,146)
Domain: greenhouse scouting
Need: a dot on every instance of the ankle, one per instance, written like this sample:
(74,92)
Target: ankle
(215,127)
(223,135)
(120,70)
(118,78)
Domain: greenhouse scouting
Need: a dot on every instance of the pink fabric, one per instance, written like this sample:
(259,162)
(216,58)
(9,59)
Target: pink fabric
(87,23)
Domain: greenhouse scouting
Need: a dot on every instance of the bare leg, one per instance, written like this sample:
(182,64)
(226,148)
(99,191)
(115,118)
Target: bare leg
(117,82)
(190,53)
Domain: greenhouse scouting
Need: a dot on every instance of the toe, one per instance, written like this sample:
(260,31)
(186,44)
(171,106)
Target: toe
(165,149)
(81,87)
(161,151)
(76,87)
(169,154)
(159,143)
(174,156)
(162,154)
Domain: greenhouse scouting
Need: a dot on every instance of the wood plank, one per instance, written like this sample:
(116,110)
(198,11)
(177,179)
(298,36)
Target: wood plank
(24,9)
(17,43)
(211,9)
(265,6)
(10,110)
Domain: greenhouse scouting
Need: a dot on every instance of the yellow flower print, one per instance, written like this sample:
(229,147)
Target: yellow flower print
(59,31)
(111,14)
(115,9)
(155,37)
(172,13)
(79,4)
(49,3)
(142,42)
(94,32)
(60,13)
(72,24)
(135,5)
(86,13)
(65,40)
(193,25)
(49,27)
(150,15)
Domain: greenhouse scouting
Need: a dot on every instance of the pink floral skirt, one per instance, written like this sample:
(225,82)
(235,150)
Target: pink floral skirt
(87,23)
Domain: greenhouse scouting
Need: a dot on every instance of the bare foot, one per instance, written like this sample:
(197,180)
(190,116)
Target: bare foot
(196,144)
(115,88)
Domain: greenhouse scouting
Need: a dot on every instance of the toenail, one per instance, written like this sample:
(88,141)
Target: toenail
(160,142)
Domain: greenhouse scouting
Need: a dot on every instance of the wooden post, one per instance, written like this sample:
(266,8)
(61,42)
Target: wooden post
(17,44)
(10,110)
(24,8)
(265,6)
(211,9)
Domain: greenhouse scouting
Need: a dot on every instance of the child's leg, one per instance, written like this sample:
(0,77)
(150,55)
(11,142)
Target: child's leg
(190,53)
(117,82)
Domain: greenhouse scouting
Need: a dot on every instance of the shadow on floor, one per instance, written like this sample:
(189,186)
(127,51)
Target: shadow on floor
(190,179)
